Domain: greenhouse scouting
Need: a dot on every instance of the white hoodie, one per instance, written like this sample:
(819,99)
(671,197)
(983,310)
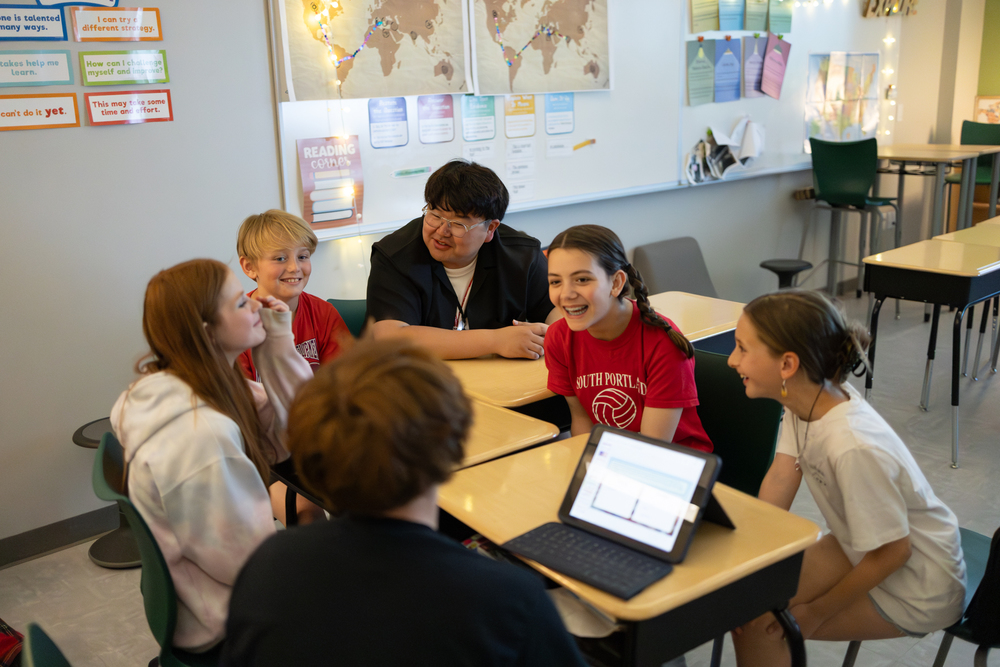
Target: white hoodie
(191,480)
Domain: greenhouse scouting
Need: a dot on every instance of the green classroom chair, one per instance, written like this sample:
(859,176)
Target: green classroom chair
(158,595)
(353,312)
(743,430)
(976,548)
(40,651)
(843,176)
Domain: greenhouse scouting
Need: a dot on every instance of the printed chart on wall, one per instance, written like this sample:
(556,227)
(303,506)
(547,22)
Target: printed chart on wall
(540,46)
(372,48)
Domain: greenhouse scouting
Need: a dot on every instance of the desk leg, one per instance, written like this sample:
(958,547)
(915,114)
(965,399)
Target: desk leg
(968,341)
(925,395)
(873,330)
(956,344)
(979,344)
(938,224)
(796,645)
(291,510)
(899,212)
(963,193)
(995,185)
(996,344)
(834,255)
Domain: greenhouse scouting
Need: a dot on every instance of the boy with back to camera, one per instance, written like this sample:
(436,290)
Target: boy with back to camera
(456,280)
(275,249)
(375,434)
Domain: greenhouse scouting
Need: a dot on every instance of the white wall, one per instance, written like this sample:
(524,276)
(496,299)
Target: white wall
(88,214)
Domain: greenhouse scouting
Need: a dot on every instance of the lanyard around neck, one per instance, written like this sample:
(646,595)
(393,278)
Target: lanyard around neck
(460,317)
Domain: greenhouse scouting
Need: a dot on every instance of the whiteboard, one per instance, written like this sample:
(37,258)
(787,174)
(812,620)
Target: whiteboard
(643,127)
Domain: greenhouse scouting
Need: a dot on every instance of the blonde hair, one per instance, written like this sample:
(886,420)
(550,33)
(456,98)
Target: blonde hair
(272,230)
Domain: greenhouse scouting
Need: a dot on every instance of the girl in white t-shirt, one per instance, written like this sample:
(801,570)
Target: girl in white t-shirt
(892,564)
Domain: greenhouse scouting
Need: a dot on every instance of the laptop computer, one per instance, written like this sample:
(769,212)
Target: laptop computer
(631,511)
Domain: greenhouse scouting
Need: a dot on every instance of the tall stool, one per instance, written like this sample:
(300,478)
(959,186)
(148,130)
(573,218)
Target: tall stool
(118,549)
(786,269)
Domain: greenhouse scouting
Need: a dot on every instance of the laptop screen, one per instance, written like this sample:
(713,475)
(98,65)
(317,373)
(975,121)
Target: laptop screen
(638,490)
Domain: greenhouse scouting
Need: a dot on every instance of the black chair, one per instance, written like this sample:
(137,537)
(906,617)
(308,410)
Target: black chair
(786,269)
(674,265)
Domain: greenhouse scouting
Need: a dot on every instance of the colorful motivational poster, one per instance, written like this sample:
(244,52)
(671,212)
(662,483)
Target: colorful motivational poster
(38,112)
(701,72)
(775,60)
(753,65)
(779,18)
(727,70)
(558,113)
(704,15)
(387,122)
(519,116)
(730,14)
(116,24)
(105,68)
(35,68)
(756,15)
(124,107)
(24,22)
(332,184)
(435,119)
(479,120)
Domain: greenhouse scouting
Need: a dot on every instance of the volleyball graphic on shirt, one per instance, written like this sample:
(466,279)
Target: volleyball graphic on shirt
(614,407)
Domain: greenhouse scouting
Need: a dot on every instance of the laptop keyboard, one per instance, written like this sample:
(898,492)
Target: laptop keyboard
(603,564)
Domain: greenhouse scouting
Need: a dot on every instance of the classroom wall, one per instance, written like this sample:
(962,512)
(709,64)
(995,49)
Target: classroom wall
(989,53)
(88,214)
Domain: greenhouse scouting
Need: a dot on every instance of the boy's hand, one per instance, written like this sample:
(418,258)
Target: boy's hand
(277,305)
(524,340)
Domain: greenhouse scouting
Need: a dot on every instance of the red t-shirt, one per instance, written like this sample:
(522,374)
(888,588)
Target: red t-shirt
(316,327)
(616,379)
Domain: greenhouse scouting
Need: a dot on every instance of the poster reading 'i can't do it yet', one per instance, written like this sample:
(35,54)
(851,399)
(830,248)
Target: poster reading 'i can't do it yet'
(332,183)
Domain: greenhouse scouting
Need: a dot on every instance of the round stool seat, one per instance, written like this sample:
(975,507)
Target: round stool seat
(786,269)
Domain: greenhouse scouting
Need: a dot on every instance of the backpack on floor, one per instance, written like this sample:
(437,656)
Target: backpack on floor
(983,613)
(11,642)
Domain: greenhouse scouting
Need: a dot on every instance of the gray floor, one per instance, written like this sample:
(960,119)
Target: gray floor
(96,616)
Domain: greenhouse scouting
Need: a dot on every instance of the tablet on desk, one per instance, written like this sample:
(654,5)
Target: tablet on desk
(631,510)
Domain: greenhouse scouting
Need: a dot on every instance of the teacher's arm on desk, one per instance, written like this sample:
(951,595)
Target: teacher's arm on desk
(781,482)
(522,341)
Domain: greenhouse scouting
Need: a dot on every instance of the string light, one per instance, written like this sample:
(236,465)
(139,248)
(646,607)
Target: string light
(888,70)
(889,40)
(892,103)
(892,118)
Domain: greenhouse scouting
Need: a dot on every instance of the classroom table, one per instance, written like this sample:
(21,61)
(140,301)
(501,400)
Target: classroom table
(982,149)
(513,383)
(940,272)
(941,158)
(728,578)
(495,432)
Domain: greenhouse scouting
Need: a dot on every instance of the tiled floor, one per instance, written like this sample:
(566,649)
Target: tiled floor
(96,615)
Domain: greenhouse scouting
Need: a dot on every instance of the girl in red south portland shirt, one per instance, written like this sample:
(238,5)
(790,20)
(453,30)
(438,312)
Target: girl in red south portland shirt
(616,360)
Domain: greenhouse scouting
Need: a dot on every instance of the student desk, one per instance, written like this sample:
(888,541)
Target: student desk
(728,578)
(939,272)
(495,432)
(982,150)
(512,383)
(941,157)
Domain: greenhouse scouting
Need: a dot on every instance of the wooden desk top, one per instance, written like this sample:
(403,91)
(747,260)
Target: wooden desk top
(925,154)
(511,383)
(981,234)
(505,498)
(980,148)
(496,432)
(991,222)
(697,316)
(937,256)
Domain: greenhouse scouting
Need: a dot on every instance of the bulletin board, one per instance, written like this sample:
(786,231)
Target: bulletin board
(636,134)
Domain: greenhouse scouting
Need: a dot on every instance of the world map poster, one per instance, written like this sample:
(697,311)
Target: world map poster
(540,46)
(373,48)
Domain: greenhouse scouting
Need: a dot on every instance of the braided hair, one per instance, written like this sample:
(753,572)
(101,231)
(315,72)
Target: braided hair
(813,326)
(604,245)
